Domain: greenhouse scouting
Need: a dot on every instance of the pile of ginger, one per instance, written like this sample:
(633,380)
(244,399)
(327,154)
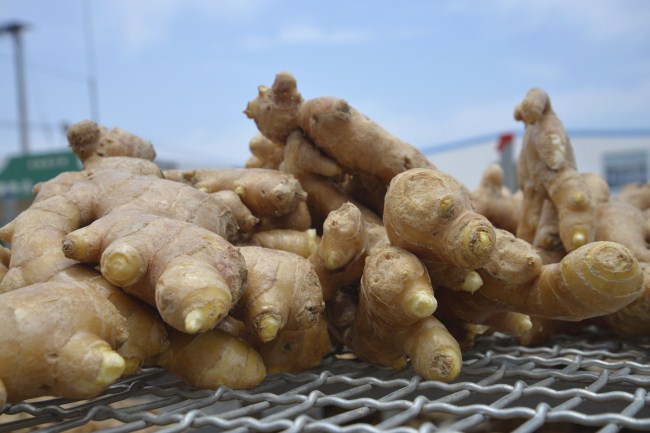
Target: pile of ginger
(336,235)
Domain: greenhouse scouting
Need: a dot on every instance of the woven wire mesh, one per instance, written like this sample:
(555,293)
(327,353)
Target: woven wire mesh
(586,382)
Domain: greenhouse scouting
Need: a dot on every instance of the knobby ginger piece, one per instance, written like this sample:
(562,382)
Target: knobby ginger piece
(36,235)
(301,242)
(58,339)
(596,279)
(355,142)
(429,213)
(394,322)
(342,251)
(191,275)
(147,334)
(546,169)
(212,359)
(264,153)
(266,192)
(283,292)
(495,201)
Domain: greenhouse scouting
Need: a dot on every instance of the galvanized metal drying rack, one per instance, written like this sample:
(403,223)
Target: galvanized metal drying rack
(587,382)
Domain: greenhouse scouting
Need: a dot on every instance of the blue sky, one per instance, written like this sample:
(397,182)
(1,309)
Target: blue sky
(180,72)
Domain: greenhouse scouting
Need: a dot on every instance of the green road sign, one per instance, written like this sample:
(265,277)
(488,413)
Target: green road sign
(21,173)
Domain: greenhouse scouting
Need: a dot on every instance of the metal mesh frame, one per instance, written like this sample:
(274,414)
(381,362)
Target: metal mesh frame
(588,382)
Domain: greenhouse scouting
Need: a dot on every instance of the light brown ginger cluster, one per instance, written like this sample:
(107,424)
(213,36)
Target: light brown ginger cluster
(335,233)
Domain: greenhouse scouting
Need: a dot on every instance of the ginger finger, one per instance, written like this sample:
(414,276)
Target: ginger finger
(67,334)
(283,292)
(494,201)
(341,253)
(394,321)
(546,169)
(211,359)
(301,242)
(295,351)
(265,192)
(192,276)
(147,333)
(337,129)
(429,213)
(265,153)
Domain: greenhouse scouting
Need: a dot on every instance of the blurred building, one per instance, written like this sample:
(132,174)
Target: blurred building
(619,156)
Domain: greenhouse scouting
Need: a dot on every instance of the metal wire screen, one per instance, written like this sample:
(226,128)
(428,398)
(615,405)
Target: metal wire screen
(587,382)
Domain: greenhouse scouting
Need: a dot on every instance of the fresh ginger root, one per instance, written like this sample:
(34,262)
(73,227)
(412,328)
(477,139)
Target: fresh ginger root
(211,359)
(99,148)
(394,322)
(547,170)
(58,339)
(301,242)
(283,292)
(191,275)
(341,253)
(636,194)
(246,221)
(596,279)
(495,201)
(264,153)
(429,213)
(147,334)
(295,351)
(36,235)
(337,129)
(5,258)
(265,192)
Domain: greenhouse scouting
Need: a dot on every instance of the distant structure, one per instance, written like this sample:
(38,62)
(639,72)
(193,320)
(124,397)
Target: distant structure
(620,156)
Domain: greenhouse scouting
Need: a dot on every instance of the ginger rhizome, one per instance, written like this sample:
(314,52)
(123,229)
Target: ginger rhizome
(394,322)
(337,129)
(211,359)
(283,292)
(430,214)
(58,339)
(495,201)
(190,274)
(37,233)
(546,171)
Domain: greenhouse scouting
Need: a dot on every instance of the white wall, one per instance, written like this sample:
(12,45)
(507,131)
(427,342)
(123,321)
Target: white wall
(467,162)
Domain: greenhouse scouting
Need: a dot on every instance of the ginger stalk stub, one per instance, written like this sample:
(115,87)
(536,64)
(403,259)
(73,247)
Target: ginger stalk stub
(59,339)
(546,169)
(430,214)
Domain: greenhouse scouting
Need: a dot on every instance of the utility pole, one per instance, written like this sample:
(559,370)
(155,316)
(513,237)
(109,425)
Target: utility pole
(15,29)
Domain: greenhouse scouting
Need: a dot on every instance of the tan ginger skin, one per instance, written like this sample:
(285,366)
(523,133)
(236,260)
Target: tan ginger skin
(211,359)
(495,201)
(596,279)
(266,192)
(301,242)
(342,251)
(191,275)
(394,322)
(283,292)
(337,129)
(637,194)
(430,214)
(264,153)
(147,334)
(58,339)
(37,233)
(546,169)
